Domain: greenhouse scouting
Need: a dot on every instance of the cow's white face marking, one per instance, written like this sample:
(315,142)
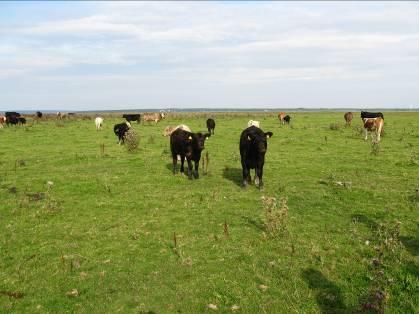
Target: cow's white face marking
(248,138)
(190,137)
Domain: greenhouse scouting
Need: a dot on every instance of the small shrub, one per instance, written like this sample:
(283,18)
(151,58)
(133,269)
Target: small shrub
(334,126)
(375,147)
(275,215)
(131,140)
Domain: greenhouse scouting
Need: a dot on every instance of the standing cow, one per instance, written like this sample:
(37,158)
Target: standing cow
(287,119)
(373,125)
(190,146)
(98,123)
(281,117)
(132,117)
(156,116)
(2,121)
(12,117)
(120,130)
(348,118)
(253,147)
(211,125)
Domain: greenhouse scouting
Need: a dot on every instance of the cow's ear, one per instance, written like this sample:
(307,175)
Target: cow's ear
(268,134)
(207,135)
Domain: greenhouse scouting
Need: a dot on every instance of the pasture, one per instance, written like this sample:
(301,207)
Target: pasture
(88,227)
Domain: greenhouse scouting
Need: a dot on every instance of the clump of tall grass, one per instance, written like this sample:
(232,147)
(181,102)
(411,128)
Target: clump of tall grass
(276,214)
(132,140)
(375,147)
(388,253)
(334,126)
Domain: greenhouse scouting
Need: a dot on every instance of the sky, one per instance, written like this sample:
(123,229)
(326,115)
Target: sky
(208,54)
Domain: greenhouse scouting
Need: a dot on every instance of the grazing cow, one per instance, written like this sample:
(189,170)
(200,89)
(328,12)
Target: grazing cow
(169,129)
(2,121)
(38,114)
(21,120)
(211,125)
(253,123)
(156,116)
(120,130)
(188,145)
(287,119)
(61,115)
(132,117)
(12,117)
(373,124)
(348,117)
(98,123)
(281,117)
(366,114)
(253,147)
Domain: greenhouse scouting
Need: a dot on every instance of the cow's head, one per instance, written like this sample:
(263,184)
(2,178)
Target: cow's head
(198,140)
(259,141)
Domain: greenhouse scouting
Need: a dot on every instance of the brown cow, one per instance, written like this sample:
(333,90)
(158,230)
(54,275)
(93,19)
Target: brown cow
(281,117)
(2,121)
(348,117)
(373,124)
(156,117)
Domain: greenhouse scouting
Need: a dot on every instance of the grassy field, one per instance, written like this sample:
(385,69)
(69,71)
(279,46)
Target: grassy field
(116,231)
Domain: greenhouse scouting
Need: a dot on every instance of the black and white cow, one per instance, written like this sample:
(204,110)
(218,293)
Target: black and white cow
(253,147)
(371,115)
(120,130)
(190,146)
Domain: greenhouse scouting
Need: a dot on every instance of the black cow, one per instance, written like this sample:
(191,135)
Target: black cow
(211,125)
(287,119)
(371,115)
(189,145)
(38,114)
(21,120)
(253,147)
(132,117)
(120,130)
(12,117)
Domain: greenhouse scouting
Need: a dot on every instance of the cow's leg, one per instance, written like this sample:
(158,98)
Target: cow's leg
(366,134)
(246,174)
(174,158)
(189,168)
(182,162)
(258,177)
(196,174)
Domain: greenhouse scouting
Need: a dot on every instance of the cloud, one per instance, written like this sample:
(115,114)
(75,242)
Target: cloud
(223,44)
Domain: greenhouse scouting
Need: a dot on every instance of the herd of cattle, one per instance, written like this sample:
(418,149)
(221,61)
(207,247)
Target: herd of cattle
(185,144)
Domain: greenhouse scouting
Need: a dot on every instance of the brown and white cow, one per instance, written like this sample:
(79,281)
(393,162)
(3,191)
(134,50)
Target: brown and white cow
(373,125)
(2,121)
(156,116)
(348,117)
(281,117)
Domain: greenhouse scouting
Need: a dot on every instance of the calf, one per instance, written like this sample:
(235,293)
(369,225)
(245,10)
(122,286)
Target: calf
(211,125)
(156,117)
(287,119)
(253,147)
(188,145)
(120,130)
(281,117)
(373,124)
(132,117)
(348,117)
(366,114)
(253,123)
(98,123)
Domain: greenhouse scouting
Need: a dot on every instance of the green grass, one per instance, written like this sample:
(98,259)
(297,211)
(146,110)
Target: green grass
(106,226)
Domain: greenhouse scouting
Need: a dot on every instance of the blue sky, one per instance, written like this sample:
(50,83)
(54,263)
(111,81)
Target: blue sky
(115,55)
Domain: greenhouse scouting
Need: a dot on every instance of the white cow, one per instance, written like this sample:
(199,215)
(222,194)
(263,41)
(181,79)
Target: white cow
(253,123)
(98,122)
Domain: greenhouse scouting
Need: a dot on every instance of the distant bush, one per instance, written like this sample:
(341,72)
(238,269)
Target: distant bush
(132,140)
(334,126)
